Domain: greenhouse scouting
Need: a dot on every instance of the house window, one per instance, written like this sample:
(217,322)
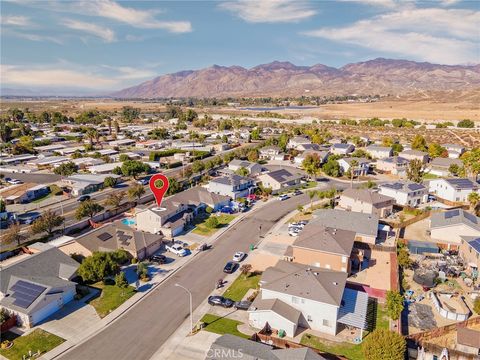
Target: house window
(294,300)
(344,259)
(328,266)
(317,264)
(326,323)
(309,318)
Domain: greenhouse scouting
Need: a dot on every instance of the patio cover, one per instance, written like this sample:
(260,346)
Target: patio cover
(353,309)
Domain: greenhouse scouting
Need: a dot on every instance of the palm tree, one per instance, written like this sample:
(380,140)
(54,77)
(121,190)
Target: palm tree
(91,135)
(136,191)
(115,199)
(474,200)
(353,167)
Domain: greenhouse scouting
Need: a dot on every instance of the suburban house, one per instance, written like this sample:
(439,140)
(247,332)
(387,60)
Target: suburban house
(114,236)
(361,169)
(104,168)
(322,155)
(342,149)
(311,147)
(122,142)
(252,168)
(23,193)
(47,162)
(295,295)
(441,166)
(414,155)
(38,285)
(270,153)
(85,162)
(81,184)
(405,193)
(364,225)
(230,347)
(454,190)
(469,251)
(379,152)
(366,201)
(324,247)
(177,211)
(451,226)
(233,186)
(280,180)
(394,165)
(296,141)
(454,150)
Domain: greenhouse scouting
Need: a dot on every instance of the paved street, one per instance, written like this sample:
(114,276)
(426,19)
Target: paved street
(142,330)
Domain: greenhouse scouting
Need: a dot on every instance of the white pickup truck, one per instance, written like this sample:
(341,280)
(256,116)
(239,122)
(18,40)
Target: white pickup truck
(177,249)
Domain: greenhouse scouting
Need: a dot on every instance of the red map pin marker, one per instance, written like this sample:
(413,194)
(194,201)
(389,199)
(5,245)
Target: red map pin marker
(159,186)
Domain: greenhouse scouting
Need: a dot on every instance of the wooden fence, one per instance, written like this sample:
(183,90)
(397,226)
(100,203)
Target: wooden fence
(8,324)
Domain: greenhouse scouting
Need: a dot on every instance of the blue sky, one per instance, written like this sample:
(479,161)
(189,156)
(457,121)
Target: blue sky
(97,46)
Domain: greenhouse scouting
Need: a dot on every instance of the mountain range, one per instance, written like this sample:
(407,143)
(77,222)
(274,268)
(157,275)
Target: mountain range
(379,76)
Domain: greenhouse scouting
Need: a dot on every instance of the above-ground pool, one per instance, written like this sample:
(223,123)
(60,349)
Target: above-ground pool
(128,221)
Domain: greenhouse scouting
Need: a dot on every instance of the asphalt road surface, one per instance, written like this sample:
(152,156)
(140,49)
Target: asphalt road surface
(140,332)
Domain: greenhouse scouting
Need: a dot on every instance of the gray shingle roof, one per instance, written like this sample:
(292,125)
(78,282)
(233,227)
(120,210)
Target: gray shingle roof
(405,186)
(326,239)
(367,196)
(232,179)
(365,224)
(278,307)
(283,175)
(455,217)
(307,282)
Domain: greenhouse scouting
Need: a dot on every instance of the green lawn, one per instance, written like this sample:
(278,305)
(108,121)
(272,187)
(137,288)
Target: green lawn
(40,199)
(241,285)
(35,341)
(221,325)
(348,350)
(110,298)
(309,185)
(382,321)
(430,176)
(201,229)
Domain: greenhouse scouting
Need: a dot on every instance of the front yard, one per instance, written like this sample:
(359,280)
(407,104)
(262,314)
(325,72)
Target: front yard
(202,229)
(111,297)
(241,285)
(37,340)
(221,325)
(348,350)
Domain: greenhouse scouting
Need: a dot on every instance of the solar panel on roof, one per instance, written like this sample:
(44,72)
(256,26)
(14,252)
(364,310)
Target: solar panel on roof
(453,213)
(471,217)
(25,293)
(104,236)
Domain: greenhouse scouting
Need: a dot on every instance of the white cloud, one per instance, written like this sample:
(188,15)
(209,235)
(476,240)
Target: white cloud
(102,32)
(130,73)
(448,36)
(14,20)
(381,3)
(448,2)
(270,11)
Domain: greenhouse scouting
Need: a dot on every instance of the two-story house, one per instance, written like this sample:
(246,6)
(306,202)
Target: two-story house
(395,165)
(451,227)
(233,185)
(454,150)
(455,190)
(361,168)
(296,141)
(379,152)
(366,201)
(414,155)
(252,168)
(342,149)
(441,166)
(280,180)
(270,153)
(405,193)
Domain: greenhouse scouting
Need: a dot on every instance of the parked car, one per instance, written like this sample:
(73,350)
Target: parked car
(83,198)
(297,192)
(242,305)
(283,197)
(14,181)
(220,300)
(7,179)
(30,219)
(294,232)
(159,259)
(227,210)
(144,181)
(177,249)
(239,256)
(230,267)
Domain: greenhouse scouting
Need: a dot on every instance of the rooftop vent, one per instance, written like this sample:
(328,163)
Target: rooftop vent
(335,283)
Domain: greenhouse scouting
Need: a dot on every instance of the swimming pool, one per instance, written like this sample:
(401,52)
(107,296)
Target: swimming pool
(129,221)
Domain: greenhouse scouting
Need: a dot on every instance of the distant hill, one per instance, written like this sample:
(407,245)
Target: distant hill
(379,76)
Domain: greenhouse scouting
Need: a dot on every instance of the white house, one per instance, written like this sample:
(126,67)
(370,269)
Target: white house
(280,180)
(414,155)
(252,168)
(451,226)
(342,149)
(362,168)
(233,185)
(440,166)
(454,150)
(295,295)
(296,141)
(453,190)
(104,168)
(379,152)
(323,156)
(270,152)
(405,193)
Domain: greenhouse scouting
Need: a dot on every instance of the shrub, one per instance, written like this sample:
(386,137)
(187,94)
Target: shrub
(476,305)
(121,280)
(384,344)
(209,210)
(211,223)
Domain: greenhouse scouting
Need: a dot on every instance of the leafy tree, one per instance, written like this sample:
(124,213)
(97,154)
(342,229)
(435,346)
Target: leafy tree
(117,171)
(5,132)
(454,169)
(245,269)
(476,305)
(384,344)
(173,186)
(66,169)
(419,143)
(123,157)
(134,168)
(87,208)
(98,266)
(466,124)
(252,155)
(47,223)
(242,171)
(474,200)
(255,134)
(159,134)
(109,182)
(92,135)
(115,199)
(121,280)
(397,148)
(415,171)
(212,223)
(471,161)
(197,166)
(136,192)
(311,164)
(12,235)
(3,206)
(403,258)
(311,194)
(436,150)
(394,304)
(331,168)
(142,271)
(130,113)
